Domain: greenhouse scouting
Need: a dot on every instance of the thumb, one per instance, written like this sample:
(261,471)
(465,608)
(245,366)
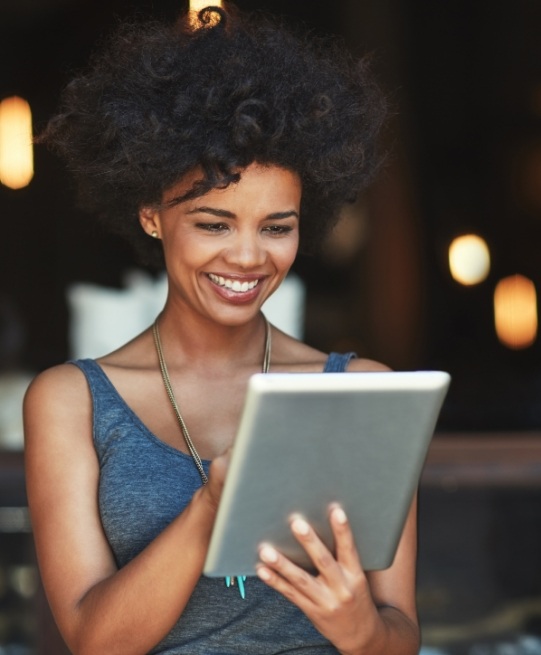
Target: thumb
(217,474)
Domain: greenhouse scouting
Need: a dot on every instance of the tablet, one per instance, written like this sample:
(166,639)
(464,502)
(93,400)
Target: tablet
(306,440)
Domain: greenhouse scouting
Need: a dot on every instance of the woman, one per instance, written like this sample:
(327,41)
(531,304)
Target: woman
(216,149)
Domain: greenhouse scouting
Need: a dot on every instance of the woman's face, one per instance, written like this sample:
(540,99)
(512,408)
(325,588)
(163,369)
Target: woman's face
(226,252)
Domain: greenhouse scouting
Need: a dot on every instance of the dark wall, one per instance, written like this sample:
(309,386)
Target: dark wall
(475,80)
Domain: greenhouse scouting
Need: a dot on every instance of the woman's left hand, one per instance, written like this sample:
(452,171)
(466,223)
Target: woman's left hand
(337,598)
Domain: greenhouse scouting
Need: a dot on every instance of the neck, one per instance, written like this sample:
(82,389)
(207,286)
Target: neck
(211,345)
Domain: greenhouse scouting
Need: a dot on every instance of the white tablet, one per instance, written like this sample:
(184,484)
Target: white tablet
(310,439)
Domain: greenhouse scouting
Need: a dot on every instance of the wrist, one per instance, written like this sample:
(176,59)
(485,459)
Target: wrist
(390,631)
(371,640)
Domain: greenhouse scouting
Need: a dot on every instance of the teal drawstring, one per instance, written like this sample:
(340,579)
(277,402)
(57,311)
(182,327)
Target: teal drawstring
(241,579)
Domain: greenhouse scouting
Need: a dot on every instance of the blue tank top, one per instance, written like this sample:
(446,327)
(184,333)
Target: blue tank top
(144,484)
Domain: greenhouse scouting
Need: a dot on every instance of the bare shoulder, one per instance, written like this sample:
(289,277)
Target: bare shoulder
(57,415)
(293,355)
(56,386)
(56,405)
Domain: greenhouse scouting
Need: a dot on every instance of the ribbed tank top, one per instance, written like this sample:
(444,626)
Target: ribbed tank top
(144,484)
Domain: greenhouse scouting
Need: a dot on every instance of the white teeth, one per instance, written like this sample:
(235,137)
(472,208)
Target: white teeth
(234,285)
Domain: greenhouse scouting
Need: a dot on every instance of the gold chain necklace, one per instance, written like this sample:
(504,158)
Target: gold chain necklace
(168,387)
(189,443)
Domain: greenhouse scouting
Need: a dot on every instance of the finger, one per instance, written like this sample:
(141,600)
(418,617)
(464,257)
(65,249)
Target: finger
(321,557)
(217,474)
(284,587)
(281,574)
(347,553)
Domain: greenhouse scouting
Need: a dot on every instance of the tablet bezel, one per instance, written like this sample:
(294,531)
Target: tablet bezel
(256,501)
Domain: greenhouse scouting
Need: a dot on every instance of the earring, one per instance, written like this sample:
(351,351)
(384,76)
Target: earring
(154,234)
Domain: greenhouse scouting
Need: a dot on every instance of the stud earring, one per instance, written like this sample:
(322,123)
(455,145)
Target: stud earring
(154,234)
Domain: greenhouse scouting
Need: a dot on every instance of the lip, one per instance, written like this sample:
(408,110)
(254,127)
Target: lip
(236,297)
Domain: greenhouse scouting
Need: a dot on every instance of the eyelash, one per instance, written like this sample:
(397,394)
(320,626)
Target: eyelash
(278,229)
(274,230)
(212,227)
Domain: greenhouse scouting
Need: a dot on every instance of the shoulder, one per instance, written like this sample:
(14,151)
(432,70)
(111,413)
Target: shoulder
(56,394)
(57,414)
(289,354)
(66,379)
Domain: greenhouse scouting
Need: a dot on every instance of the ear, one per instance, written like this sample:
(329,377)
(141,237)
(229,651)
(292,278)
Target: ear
(150,221)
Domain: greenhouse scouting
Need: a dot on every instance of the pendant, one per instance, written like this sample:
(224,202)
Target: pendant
(240,580)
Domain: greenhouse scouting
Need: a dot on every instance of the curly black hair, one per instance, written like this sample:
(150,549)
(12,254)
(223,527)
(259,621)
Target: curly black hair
(159,100)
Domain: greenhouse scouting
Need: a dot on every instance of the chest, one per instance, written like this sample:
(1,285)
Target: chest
(209,407)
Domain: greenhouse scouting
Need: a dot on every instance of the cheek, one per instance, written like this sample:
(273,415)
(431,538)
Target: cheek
(183,251)
(285,256)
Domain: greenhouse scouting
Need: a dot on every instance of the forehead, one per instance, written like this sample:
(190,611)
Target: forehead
(265,182)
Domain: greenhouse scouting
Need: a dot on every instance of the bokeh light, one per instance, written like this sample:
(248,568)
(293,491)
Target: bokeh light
(16,152)
(469,259)
(515,311)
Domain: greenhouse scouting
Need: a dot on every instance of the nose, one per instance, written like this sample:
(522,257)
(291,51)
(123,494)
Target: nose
(245,251)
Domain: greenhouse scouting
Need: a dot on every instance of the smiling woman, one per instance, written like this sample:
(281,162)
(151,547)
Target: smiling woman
(231,248)
(219,151)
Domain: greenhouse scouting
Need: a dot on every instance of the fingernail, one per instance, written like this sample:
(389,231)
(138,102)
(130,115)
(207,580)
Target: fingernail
(340,515)
(300,527)
(268,554)
(263,573)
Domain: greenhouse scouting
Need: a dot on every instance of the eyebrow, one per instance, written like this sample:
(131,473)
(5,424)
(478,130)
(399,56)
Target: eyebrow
(223,213)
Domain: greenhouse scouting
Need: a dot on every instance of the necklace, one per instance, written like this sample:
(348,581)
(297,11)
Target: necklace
(229,580)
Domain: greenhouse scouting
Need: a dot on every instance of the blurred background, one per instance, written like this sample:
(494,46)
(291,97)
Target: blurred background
(436,266)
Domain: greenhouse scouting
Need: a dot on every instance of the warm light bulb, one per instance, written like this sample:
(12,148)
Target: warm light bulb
(515,312)
(16,153)
(469,259)
(197,5)
(195,8)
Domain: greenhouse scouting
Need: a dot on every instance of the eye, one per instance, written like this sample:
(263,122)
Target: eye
(212,227)
(278,229)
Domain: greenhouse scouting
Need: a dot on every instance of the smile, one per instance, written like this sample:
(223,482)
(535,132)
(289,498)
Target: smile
(233,285)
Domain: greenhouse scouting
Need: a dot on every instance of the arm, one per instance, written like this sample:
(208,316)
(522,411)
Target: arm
(361,613)
(98,608)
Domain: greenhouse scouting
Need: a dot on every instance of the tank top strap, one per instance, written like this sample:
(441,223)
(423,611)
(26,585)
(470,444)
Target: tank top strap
(104,396)
(96,378)
(338,362)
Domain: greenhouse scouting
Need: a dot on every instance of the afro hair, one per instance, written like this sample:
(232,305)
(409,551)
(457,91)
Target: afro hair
(159,100)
